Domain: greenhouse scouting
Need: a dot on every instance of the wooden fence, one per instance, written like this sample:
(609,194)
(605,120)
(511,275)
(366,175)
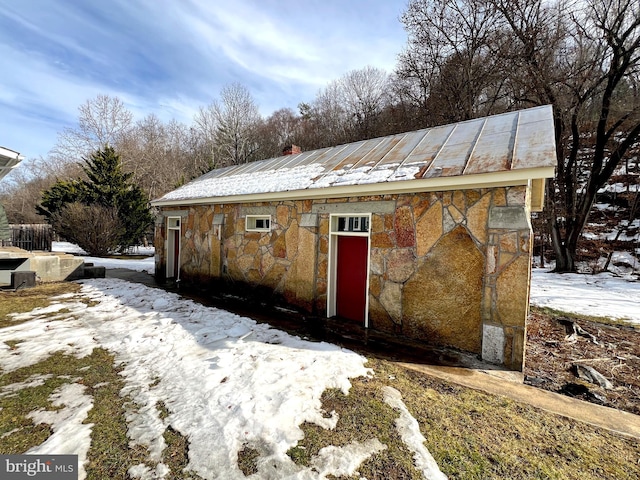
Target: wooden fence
(30,237)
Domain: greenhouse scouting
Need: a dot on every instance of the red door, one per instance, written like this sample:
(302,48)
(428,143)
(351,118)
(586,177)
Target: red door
(351,277)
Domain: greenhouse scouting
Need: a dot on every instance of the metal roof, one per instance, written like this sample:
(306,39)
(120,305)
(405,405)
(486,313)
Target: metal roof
(517,145)
(8,160)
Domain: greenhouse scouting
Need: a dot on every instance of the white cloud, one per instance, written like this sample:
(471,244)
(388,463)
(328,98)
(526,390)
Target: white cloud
(169,58)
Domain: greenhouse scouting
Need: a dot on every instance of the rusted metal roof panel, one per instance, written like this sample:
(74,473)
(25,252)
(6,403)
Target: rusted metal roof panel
(360,172)
(428,146)
(314,156)
(532,115)
(281,162)
(218,172)
(378,152)
(452,157)
(491,153)
(234,170)
(500,143)
(389,165)
(351,156)
(494,148)
(532,147)
(345,155)
(403,147)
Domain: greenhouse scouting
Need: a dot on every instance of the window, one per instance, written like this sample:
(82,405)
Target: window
(353,224)
(258,223)
(173,222)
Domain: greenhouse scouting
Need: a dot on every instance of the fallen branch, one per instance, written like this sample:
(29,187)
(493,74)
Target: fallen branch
(574,330)
(586,360)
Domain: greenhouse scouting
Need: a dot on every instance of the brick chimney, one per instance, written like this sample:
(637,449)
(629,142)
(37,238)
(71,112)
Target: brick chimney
(291,150)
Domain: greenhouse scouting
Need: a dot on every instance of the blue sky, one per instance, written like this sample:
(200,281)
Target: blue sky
(170,57)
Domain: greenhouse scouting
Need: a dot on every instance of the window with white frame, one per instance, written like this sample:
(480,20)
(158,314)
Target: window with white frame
(258,223)
(350,223)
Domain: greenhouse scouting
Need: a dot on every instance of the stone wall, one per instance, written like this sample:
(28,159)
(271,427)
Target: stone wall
(447,268)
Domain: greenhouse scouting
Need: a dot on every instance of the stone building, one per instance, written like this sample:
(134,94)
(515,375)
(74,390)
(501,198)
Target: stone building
(425,235)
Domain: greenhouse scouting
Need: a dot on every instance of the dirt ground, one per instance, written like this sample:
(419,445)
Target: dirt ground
(554,355)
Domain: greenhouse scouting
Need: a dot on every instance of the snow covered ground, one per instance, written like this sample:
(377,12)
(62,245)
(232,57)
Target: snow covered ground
(600,295)
(225,380)
(140,265)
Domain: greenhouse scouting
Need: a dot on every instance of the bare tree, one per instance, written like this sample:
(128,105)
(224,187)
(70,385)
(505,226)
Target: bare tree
(283,127)
(22,189)
(157,154)
(363,94)
(449,68)
(228,126)
(347,109)
(326,119)
(102,121)
(584,59)
(204,136)
(581,57)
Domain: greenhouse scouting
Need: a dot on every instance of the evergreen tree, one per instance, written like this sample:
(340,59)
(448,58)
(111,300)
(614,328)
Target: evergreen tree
(60,194)
(107,186)
(5,231)
(106,181)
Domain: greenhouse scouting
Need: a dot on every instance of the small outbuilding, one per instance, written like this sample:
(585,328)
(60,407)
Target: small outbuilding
(425,235)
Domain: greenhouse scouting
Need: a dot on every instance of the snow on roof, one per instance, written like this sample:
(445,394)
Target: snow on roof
(515,141)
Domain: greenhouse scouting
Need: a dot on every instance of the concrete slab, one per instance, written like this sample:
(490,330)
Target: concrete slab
(131,276)
(49,266)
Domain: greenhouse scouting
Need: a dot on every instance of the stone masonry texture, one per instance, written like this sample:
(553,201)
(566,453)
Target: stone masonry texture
(439,269)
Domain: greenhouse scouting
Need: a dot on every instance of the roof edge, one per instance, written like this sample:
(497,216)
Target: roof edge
(481,180)
(12,154)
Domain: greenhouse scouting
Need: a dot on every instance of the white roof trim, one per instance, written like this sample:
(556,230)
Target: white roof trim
(9,159)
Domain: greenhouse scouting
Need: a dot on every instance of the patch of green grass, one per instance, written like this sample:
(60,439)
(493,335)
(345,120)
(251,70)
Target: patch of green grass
(12,344)
(363,415)
(471,435)
(18,433)
(581,317)
(109,455)
(30,298)
(479,436)
(247,460)
(176,453)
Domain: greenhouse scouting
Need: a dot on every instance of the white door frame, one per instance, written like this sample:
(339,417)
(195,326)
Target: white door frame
(173,225)
(334,233)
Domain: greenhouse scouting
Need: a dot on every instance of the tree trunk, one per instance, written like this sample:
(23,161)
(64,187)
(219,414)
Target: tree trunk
(565,253)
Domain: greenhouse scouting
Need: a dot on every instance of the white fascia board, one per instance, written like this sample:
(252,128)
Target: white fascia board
(10,154)
(537,193)
(8,160)
(484,180)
